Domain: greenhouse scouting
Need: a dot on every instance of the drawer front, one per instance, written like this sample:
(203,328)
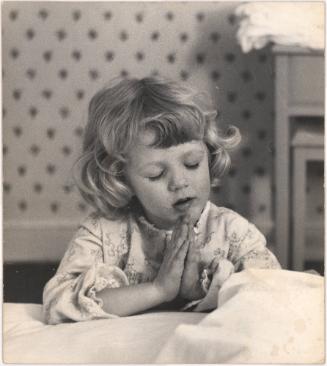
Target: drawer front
(306,80)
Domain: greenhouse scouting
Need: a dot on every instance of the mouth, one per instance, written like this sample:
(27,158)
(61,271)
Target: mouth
(183,204)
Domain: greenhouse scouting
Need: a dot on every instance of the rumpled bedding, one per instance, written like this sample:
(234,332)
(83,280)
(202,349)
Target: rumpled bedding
(263,316)
(290,23)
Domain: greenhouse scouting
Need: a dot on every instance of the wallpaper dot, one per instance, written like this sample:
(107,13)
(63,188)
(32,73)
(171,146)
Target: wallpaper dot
(200,58)
(124,73)
(30,34)
(43,14)
(14,53)
(246,151)
(260,171)
(22,205)
(214,37)
(246,75)
(6,187)
(76,55)
(232,172)
(67,188)
(47,93)
(139,56)
(184,75)
(76,15)
(260,96)
(155,36)
(171,58)
(35,149)
(230,57)
(246,189)
(184,37)
(61,34)
(110,55)
(17,94)
(54,206)
(79,94)
(51,133)
(262,134)
(63,74)
(262,57)
(215,75)
(50,169)
(17,131)
(231,97)
(13,15)
(200,17)
(92,34)
(170,15)
(31,73)
(139,17)
(107,15)
(33,111)
(38,187)
(94,74)
(246,114)
(232,19)
(262,208)
(123,36)
(79,131)
(66,150)
(47,55)
(21,170)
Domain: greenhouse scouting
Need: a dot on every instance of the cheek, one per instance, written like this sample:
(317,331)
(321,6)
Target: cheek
(202,177)
(147,191)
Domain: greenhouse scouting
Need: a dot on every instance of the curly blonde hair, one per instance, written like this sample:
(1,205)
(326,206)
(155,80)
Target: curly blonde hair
(118,113)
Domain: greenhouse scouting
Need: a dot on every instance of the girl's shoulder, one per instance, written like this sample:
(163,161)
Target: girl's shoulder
(233,224)
(97,223)
(227,217)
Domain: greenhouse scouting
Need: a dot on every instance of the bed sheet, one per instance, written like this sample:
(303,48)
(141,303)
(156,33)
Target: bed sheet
(264,316)
(134,339)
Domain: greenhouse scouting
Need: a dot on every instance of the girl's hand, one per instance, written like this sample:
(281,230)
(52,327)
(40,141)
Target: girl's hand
(190,285)
(169,277)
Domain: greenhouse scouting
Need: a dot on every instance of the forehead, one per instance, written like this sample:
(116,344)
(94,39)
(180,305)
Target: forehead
(142,152)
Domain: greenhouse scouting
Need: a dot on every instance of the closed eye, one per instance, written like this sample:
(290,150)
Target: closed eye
(156,177)
(192,166)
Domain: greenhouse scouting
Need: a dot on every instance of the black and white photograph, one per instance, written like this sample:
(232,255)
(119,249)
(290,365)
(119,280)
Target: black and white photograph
(163,182)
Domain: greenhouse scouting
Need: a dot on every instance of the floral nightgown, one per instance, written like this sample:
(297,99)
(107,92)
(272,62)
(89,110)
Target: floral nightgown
(106,253)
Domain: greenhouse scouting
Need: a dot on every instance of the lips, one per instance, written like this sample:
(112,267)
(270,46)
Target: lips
(183,204)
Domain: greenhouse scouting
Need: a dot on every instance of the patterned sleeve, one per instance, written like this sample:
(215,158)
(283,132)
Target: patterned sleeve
(247,245)
(71,294)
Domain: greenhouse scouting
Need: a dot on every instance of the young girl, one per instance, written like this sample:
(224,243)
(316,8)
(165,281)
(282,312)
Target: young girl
(151,153)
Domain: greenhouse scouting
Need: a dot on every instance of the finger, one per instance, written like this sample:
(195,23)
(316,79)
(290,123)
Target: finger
(176,232)
(183,250)
(214,265)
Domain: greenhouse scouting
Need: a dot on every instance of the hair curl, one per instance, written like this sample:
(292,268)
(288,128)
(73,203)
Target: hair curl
(119,112)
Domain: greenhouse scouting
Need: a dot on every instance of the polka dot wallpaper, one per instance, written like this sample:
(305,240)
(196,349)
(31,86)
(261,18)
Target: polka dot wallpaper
(56,55)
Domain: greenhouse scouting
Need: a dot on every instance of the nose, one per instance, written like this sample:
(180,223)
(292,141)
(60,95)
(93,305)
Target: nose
(177,181)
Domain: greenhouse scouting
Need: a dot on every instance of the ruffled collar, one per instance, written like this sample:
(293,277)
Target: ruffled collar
(152,230)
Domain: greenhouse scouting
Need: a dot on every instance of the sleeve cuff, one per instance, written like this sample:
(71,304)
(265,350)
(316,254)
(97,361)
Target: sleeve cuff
(106,277)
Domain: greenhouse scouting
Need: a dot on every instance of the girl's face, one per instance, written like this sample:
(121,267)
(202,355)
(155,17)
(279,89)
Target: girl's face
(169,182)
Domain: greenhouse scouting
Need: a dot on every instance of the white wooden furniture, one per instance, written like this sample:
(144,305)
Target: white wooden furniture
(308,145)
(299,92)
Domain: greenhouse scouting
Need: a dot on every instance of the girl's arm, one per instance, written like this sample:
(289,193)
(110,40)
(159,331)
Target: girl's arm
(129,300)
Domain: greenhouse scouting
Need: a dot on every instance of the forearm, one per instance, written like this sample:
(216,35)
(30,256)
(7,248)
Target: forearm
(130,300)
